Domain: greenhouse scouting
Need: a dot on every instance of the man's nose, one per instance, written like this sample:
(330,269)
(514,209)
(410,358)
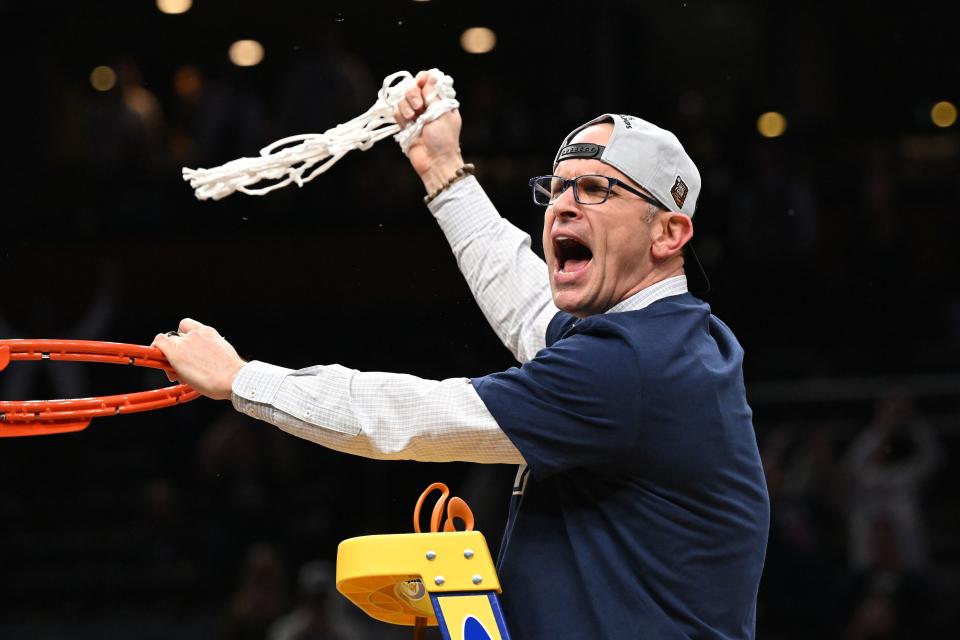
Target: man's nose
(566,205)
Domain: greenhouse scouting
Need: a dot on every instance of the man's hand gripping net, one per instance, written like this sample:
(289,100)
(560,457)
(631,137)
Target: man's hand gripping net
(298,163)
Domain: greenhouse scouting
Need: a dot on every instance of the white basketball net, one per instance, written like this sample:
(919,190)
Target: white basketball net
(295,159)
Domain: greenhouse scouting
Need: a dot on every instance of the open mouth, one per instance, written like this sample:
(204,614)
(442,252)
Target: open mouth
(572,255)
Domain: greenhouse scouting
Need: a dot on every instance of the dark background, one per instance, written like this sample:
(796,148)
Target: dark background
(831,252)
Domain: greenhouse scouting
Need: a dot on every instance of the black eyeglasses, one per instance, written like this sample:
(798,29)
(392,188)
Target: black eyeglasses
(587,189)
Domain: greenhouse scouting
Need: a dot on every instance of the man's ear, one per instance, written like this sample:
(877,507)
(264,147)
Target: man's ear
(673,231)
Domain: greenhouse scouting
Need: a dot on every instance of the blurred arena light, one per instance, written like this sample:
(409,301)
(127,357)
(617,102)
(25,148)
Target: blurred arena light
(174,7)
(944,114)
(103,78)
(246,53)
(142,102)
(187,82)
(771,124)
(478,40)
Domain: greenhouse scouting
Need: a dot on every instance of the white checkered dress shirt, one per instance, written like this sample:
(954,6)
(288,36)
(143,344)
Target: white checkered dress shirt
(394,416)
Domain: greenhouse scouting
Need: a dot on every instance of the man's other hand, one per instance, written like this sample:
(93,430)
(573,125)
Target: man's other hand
(201,358)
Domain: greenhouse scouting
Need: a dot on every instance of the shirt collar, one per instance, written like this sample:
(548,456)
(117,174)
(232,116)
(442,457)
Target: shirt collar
(645,297)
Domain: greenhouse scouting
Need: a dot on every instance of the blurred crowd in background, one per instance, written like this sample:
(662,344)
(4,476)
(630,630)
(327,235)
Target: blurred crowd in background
(830,248)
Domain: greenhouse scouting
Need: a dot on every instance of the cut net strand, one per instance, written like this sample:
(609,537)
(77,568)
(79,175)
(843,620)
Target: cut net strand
(301,158)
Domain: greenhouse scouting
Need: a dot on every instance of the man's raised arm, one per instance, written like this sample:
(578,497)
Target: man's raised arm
(508,280)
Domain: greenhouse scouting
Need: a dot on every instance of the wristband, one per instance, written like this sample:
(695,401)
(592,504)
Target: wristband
(462,172)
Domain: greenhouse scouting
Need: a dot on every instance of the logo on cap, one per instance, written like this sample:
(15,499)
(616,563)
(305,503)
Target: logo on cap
(679,191)
(580,150)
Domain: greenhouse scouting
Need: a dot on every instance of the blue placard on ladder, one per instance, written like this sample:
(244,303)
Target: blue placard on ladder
(469,615)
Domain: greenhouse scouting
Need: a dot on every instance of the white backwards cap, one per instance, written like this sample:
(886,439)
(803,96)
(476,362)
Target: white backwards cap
(650,156)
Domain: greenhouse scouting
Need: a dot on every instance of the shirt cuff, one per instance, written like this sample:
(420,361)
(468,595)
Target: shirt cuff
(256,386)
(318,396)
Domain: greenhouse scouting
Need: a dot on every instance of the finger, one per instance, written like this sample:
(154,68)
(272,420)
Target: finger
(171,376)
(414,97)
(165,339)
(406,110)
(429,89)
(189,324)
(422,77)
(398,117)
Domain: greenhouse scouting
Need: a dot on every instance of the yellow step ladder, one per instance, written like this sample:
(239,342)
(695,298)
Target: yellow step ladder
(445,579)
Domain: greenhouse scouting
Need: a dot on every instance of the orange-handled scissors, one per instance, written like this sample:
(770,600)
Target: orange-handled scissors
(456,509)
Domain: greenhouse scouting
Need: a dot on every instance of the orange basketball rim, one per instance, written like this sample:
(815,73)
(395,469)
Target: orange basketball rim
(39,417)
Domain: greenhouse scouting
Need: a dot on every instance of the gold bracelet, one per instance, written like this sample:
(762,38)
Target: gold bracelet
(462,172)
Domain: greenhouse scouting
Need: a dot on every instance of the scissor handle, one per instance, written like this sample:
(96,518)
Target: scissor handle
(457,508)
(437,514)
